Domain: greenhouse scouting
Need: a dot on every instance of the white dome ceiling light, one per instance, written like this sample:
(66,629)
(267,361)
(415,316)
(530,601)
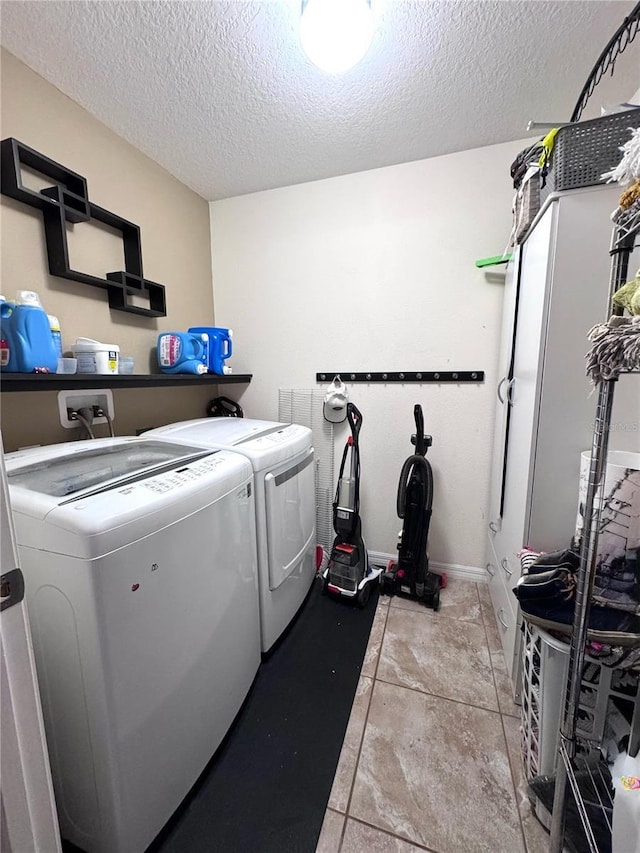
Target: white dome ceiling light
(336,34)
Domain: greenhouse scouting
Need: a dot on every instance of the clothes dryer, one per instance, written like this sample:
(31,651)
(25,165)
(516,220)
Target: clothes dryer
(141,583)
(282,457)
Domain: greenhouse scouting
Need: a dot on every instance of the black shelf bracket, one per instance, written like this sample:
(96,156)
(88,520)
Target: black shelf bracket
(455,376)
(68,202)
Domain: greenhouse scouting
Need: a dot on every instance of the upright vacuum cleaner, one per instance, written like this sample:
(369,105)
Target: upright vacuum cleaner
(410,576)
(348,573)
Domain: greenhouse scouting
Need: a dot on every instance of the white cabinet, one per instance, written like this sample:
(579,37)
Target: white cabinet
(556,290)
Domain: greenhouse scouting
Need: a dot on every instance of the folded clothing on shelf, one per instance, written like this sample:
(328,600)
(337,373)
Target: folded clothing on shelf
(546,593)
(547,577)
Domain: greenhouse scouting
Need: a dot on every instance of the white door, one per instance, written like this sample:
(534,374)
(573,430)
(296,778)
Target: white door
(505,374)
(28,822)
(524,393)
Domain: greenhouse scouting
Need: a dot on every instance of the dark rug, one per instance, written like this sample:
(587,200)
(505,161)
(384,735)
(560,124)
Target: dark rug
(267,787)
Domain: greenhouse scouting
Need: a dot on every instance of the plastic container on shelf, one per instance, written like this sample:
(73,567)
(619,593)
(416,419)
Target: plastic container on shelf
(96,357)
(56,333)
(126,364)
(183,352)
(67,365)
(27,344)
(220,347)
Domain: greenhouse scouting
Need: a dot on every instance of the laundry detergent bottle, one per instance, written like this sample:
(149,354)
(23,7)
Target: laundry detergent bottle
(27,344)
(183,352)
(220,347)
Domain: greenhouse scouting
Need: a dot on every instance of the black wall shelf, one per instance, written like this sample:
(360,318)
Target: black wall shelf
(68,202)
(69,381)
(454,376)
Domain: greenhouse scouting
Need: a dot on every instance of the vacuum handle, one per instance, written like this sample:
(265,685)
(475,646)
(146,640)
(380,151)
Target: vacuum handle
(419,419)
(355,419)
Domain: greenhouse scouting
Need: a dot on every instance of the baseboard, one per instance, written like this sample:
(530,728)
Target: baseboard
(452,570)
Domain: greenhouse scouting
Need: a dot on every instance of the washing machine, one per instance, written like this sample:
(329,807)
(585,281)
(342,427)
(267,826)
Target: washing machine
(282,457)
(141,584)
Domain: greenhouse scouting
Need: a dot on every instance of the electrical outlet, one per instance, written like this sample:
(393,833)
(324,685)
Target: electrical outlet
(77,399)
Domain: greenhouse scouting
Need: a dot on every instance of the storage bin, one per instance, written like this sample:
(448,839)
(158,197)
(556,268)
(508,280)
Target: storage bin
(583,151)
(619,530)
(95,357)
(544,676)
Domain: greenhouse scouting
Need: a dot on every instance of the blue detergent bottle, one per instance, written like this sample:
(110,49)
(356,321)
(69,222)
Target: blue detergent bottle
(220,347)
(183,352)
(27,344)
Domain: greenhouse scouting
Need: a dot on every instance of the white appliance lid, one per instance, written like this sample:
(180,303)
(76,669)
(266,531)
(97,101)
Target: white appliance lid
(69,473)
(265,443)
(227,431)
(116,511)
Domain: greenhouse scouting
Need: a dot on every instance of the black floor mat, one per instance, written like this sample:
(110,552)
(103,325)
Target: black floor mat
(267,788)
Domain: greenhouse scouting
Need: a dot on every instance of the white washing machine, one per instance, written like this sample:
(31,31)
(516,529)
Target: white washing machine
(141,583)
(283,462)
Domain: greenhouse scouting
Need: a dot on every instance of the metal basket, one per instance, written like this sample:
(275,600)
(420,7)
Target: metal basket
(584,150)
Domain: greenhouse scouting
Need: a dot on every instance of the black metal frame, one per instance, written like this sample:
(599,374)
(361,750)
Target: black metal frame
(405,376)
(616,45)
(68,202)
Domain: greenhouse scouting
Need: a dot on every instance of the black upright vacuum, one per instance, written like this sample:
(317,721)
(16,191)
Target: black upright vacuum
(410,576)
(348,573)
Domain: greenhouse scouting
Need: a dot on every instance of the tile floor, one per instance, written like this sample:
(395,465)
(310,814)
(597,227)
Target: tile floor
(430,759)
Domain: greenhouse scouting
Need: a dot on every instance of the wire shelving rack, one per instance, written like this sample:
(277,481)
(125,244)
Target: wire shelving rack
(583,774)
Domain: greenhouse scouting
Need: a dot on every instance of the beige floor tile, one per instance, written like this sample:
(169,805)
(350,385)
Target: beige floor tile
(489,619)
(331,833)
(346,768)
(535,835)
(458,601)
(438,655)
(359,837)
(503,686)
(372,653)
(436,773)
(485,597)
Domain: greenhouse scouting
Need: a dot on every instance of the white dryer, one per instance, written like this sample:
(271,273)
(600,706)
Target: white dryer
(283,462)
(141,583)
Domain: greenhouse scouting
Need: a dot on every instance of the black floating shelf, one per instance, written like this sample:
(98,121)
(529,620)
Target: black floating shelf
(406,376)
(69,381)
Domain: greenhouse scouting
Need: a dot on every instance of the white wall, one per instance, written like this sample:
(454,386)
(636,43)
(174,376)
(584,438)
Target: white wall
(375,271)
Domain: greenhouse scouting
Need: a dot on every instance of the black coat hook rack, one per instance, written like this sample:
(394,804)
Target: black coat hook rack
(454,376)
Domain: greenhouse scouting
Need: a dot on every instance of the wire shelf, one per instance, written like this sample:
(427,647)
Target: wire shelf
(590,782)
(627,227)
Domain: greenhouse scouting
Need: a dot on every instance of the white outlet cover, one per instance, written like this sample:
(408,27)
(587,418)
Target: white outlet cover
(84,397)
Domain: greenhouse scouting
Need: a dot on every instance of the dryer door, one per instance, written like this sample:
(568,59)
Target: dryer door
(291,513)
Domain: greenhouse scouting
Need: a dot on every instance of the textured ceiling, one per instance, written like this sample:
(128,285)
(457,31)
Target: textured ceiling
(220,94)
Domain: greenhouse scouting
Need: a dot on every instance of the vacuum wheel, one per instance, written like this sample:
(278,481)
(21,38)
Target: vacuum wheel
(363,596)
(436,601)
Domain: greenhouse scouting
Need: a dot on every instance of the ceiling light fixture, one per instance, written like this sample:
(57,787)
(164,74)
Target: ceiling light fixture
(336,34)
